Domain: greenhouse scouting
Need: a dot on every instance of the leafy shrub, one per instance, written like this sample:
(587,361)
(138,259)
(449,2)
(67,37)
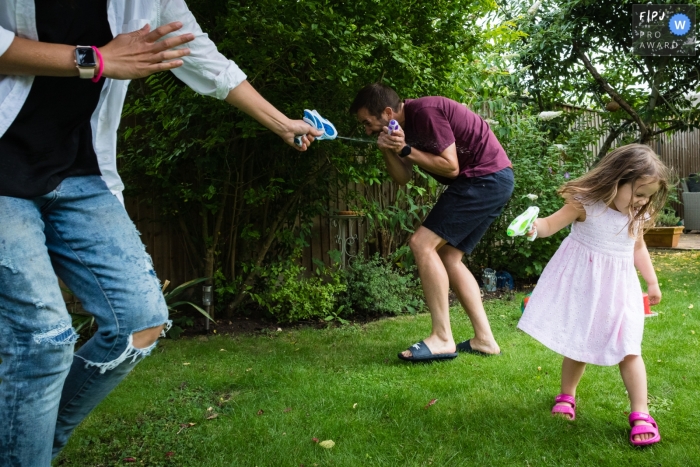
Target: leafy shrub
(545,155)
(238,195)
(667,218)
(290,296)
(374,285)
(172,300)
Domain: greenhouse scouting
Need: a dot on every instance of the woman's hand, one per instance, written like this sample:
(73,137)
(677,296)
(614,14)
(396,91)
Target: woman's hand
(299,128)
(140,53)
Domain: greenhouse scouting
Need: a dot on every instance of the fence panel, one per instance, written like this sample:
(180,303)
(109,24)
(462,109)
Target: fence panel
(680,151)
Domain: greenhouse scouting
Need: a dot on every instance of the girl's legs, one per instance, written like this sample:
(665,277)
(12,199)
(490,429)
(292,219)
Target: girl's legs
(571,372)
(634,375)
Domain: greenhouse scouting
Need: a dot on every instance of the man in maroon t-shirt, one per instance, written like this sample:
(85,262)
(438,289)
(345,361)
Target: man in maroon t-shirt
(457,148)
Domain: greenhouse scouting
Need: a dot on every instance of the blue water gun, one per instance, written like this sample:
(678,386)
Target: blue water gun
(314,119)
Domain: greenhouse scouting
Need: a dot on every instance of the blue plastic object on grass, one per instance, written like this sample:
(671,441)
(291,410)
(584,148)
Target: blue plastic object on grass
(504,280)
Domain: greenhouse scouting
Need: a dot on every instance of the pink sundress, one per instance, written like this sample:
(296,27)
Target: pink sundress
(588,304)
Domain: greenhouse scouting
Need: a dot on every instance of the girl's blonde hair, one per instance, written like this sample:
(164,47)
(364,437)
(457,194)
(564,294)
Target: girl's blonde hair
(626,164)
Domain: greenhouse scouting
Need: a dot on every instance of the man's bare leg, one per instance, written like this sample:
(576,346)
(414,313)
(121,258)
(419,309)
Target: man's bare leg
(425,244)
(467,290)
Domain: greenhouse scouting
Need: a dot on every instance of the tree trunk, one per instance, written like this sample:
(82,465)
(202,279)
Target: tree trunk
(265,247)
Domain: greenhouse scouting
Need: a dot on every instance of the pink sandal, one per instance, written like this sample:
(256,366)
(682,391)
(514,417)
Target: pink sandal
(643,429)
(565,409)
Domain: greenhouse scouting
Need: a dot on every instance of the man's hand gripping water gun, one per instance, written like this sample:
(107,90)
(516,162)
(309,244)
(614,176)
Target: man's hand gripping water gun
(524,224)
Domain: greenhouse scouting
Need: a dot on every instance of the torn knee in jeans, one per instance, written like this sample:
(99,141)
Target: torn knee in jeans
(140,345)
(148,337)
(63,334)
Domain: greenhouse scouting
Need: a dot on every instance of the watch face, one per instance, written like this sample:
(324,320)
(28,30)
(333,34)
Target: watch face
(85,57)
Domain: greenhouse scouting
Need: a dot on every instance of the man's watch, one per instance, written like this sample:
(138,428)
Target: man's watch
(405,151)
(85,61)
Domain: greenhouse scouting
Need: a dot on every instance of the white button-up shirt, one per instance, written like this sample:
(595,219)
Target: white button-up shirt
(205,70)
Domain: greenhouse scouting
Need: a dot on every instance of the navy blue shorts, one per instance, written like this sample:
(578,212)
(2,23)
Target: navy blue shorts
(467,208)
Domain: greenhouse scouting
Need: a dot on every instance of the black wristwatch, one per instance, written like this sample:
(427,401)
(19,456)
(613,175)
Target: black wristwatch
(85,61)
(405,151)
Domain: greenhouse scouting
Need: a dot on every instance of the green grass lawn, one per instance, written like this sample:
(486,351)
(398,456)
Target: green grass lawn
(262,400)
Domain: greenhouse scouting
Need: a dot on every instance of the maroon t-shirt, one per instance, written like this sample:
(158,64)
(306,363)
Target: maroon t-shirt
(433,123)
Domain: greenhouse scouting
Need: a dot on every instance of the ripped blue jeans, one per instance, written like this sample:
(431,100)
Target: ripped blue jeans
(82,234)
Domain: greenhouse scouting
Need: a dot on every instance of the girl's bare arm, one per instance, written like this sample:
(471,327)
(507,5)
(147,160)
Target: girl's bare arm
(642,261)
(547,226)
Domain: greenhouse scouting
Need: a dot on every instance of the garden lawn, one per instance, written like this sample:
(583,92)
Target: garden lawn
(264,400)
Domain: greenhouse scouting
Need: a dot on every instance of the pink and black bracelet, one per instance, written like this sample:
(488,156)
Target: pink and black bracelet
(101,67)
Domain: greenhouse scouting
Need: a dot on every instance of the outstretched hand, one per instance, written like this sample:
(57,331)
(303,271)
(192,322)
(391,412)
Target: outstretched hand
(303,129)
(140,53)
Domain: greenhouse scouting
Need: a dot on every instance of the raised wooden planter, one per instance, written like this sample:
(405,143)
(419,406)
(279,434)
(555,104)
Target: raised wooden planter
(663,236)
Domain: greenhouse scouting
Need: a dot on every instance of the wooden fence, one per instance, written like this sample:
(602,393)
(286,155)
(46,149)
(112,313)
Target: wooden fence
(346,231)
(163,242)
(680,152)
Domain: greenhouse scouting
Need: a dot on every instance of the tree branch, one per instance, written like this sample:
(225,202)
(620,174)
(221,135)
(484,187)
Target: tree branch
(611,92)
(685,84)
(612,136)
(655,82)
(671,128)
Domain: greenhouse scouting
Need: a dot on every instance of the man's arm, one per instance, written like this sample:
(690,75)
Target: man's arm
(400,169)
(128,56)
(445,164)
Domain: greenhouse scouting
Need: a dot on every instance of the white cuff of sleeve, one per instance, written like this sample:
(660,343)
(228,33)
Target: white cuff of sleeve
(6,38)
(231,77)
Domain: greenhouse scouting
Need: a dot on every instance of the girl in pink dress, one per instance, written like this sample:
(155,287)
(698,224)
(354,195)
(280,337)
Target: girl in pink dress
(588,305)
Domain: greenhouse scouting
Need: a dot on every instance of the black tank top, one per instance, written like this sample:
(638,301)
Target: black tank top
(51,138)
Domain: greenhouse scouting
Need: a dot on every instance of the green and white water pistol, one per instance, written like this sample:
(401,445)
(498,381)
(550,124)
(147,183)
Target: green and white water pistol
(522,224)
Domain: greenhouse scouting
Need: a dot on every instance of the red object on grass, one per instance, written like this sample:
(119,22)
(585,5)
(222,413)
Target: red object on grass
(647,308)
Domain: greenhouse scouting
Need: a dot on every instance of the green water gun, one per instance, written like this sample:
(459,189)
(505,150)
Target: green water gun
(522,224)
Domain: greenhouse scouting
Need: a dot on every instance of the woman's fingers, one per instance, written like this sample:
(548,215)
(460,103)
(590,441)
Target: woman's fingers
(142,53)
(171,55)
(163,66)
(161,31)
(172,42)
(144,31)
